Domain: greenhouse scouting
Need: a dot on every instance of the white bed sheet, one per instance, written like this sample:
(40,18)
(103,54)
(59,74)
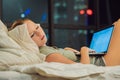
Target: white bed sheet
(78,71)
(12,75)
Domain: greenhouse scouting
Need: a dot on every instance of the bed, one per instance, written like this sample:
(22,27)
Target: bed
(58,71)
(20,61)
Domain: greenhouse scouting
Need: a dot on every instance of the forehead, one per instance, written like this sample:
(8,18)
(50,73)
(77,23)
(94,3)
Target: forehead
(30,25)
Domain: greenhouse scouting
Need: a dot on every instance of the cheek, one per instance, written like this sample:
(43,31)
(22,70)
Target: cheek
(36,39)
(41,31)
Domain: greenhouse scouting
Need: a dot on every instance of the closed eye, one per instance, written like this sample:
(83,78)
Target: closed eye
(32,35)
(34,32)
(37,27)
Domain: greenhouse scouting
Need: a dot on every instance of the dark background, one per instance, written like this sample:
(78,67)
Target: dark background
(108,11)
(64,31)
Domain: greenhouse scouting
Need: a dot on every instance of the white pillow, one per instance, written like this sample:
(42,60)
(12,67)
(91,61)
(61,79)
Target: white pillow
(21,35)
(11,53)
(8,44)
(3,27)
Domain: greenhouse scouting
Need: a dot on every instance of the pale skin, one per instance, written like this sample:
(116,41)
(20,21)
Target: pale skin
(39,37)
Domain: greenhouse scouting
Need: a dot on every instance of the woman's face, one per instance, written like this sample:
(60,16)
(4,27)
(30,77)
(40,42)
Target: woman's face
(36,33)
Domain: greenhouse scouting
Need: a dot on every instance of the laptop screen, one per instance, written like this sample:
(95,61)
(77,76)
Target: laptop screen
(101,39)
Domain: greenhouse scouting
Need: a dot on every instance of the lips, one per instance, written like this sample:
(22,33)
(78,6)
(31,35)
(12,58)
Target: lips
(42,37)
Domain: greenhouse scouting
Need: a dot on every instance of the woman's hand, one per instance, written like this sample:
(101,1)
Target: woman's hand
(85,59)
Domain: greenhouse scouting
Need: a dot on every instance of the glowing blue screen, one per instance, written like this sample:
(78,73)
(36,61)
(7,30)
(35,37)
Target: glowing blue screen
(101,39)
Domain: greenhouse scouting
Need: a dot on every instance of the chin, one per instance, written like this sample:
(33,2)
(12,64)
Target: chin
(41,44)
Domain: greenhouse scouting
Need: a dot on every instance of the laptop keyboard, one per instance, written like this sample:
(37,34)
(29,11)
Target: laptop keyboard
(92,53)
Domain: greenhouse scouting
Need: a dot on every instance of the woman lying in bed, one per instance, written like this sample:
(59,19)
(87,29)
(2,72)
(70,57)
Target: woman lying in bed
(54,54)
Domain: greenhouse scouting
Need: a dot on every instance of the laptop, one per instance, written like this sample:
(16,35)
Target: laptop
(100,40)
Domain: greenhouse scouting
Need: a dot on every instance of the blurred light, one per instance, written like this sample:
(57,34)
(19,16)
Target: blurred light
(64,16)
(75,18)
(44,16)
(82,32)
(22,15)
(27,11)
(89,12)
(57,4)
(64,4)
(56,16)
(75,7)
(82,12)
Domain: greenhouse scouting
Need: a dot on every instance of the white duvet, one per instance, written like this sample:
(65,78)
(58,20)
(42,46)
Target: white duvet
(71,71)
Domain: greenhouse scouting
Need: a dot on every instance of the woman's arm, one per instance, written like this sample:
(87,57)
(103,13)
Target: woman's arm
(85,59)
(56,57)
(83,52)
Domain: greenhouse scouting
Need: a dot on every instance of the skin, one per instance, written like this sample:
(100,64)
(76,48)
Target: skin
(39,37)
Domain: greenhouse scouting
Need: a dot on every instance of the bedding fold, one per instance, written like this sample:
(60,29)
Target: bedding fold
(69,71)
